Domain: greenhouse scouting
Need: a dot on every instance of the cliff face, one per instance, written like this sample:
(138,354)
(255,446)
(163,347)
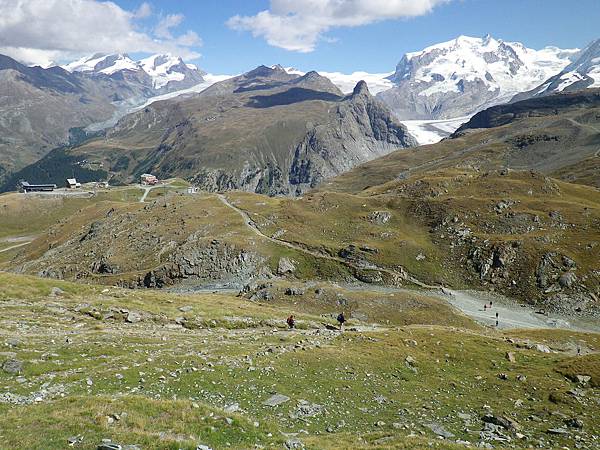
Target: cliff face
(266,131)
(363,129)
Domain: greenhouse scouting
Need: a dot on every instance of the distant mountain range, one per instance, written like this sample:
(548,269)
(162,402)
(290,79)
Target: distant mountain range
(159,74)
(41,109)
(432,92)
(265,131)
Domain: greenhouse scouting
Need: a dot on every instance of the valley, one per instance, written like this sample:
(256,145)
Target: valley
(292,259)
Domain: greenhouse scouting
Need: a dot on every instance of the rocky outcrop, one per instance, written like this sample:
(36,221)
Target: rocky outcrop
(215,263)
(362,129)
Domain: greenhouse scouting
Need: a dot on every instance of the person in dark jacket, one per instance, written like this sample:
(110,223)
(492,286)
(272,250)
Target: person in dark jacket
(341,320)
(291,322)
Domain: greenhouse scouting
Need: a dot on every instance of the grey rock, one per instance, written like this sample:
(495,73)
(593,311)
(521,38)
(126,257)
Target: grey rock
(13,342)
(285,266)
(502,421)
(74,440)
(542,348)
(56,292)
(574,422)
(133,317)
(294,291)
(13,366)
(558,431)
(294,443)
(275,400)
(234,407)
(380,217)
(567,280)
(306,409)
(583,379)
(439,430)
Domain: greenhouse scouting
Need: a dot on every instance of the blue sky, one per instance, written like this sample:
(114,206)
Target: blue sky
(328,35)
(377,47)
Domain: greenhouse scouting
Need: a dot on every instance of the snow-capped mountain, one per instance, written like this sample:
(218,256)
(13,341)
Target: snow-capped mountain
(160,74)
(102,63)
(582,73)
(460,77)
(168,70)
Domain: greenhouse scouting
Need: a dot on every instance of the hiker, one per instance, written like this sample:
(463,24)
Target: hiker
(341,319)
(490,303)
(291,322)
(496,316)
(485,307)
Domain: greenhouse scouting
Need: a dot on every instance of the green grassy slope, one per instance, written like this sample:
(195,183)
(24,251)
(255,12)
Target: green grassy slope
(161,385)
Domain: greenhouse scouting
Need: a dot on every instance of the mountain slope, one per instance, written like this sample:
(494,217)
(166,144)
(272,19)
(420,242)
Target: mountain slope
(555,135)
(460,77)
(265,131)
(40,109)
(582,73)
(39,106)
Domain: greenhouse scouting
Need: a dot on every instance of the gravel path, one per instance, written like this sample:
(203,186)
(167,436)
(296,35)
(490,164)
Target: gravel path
(509,315)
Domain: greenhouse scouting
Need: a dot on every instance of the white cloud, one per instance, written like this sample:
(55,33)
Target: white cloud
(297,25)
(42,31)
(144,11)
(163,29)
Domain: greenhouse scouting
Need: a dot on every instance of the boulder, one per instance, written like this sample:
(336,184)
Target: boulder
(56,292)
(294,291)
(439,430)
(502,421)
(380,217)
(567,280)
(133,317)
(285,266)
(13,366)
(276,399)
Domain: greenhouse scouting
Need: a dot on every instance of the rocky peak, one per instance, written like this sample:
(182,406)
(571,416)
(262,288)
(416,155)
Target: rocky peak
(262,71)
(361,88)
(313,80)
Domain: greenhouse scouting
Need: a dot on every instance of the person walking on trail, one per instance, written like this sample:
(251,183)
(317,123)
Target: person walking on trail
(341,319)
(291,322)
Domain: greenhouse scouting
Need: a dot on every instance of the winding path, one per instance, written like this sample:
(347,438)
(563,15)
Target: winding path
(147,189)
(14,246)
(397,275)
(145,194)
